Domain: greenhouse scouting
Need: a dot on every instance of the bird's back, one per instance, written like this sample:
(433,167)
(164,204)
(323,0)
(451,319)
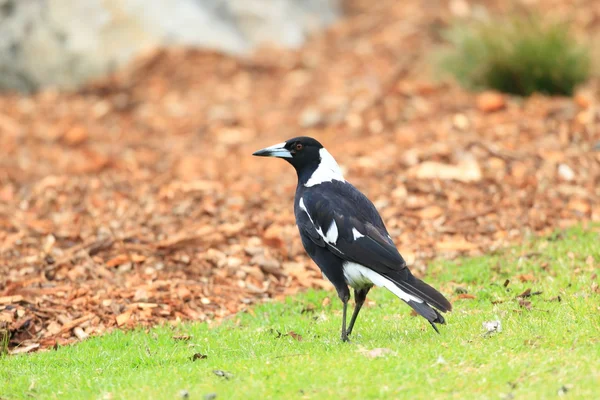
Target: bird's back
(343,198)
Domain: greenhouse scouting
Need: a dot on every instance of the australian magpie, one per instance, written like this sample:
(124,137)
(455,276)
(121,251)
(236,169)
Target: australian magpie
(343,233)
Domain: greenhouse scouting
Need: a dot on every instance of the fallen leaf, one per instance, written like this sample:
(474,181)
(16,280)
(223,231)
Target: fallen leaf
(80,333)
(75,136)
(26,349)
(118,260)
(525,304)
(295,335)
(124,317)
(431,212)
(199,356)
(526,277)
(11,299)
(273,236)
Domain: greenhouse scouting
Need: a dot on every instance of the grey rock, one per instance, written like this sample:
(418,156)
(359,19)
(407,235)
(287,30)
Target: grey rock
(64,43)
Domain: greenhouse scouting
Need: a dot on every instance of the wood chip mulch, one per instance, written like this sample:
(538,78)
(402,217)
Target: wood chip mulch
(135,200)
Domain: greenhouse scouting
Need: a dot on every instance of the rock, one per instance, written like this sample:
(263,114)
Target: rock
(565,172)
(467,170)
(490,101)
(64,43)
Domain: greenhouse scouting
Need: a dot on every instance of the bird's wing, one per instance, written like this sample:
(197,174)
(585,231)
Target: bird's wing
(342,219)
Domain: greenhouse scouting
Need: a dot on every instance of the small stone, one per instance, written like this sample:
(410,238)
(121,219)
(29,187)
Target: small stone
(565,172)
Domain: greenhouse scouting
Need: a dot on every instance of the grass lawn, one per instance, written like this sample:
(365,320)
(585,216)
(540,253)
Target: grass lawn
(548,346)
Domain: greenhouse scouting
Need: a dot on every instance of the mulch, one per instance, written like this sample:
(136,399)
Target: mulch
(135,201)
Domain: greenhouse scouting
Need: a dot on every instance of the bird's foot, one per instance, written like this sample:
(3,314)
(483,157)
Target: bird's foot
(345,338)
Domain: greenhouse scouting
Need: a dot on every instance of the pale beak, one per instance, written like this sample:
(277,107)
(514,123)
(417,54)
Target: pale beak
(277,150)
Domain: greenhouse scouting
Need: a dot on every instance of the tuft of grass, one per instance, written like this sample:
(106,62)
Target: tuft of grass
(548,346)
(4,338)
(519,55)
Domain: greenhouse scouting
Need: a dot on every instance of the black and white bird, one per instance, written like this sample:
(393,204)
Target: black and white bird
(344,235)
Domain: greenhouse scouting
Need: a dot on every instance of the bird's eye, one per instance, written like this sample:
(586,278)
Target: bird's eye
(299,146)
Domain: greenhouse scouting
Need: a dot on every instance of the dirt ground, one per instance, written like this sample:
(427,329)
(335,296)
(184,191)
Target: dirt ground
(136,200)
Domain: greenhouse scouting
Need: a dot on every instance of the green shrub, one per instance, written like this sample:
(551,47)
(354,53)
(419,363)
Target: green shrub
(519,56)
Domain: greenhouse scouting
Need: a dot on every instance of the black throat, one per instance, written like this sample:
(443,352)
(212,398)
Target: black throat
(306,171)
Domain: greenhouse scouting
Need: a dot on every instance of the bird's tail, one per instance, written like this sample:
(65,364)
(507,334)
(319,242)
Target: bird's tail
(416,293)
(424,299)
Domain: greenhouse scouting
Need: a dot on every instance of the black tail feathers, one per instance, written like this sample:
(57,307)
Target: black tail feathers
(430,298)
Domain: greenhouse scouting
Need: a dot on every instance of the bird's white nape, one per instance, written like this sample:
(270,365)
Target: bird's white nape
(327,171)
(358,275)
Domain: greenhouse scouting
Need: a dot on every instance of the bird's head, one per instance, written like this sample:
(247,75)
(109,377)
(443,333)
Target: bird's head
(300,151)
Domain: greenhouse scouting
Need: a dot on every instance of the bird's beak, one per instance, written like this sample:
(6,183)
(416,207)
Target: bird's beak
(277,150)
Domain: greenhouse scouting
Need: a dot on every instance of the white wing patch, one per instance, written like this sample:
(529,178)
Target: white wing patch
(327,171)
(359,276)
(356,234)
(332,233)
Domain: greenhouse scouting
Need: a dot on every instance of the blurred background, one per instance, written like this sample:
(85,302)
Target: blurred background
(127,191)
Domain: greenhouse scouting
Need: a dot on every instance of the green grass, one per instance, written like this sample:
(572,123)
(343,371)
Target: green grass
(552,347)
(522,55)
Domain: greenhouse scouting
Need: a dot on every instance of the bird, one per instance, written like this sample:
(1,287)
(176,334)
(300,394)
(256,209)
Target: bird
(343,233)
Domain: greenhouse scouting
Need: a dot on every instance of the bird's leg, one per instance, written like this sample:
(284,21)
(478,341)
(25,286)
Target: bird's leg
(360,295)
(344,333)
(344,295)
